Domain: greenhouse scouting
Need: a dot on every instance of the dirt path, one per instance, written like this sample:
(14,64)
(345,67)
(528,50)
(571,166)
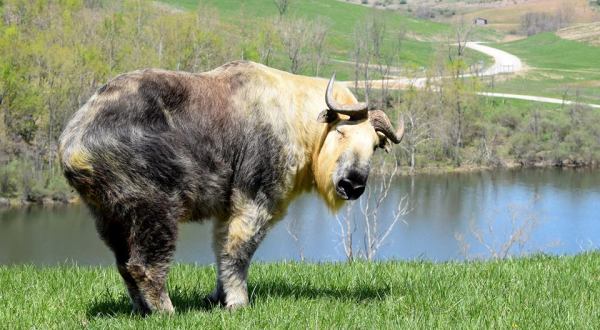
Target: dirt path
(504,63)
(536,99)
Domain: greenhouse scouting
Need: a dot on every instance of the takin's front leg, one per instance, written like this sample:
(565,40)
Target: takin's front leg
(235,242)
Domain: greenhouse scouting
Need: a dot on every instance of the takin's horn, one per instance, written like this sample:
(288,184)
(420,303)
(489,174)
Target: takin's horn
(382,124)
(353,110)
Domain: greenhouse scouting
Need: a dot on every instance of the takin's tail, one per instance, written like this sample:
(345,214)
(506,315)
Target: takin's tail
(76,160)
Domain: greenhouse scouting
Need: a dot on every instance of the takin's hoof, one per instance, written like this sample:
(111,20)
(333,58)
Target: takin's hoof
(231,302)
(147,311)
(215,299)
(236,301)
(165,307)
(237,306)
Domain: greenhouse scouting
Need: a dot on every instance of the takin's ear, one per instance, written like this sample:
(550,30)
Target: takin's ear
(384,143)
(327,117)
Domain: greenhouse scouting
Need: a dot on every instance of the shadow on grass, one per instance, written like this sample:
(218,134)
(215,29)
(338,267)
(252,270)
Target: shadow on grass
(280,288)
(185,300)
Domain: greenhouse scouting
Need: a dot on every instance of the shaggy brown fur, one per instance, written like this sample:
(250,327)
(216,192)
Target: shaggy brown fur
(152,148)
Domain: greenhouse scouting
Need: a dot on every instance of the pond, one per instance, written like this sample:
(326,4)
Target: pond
(448,217)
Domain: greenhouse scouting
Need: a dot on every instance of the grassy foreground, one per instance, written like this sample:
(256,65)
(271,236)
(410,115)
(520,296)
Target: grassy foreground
(538,292)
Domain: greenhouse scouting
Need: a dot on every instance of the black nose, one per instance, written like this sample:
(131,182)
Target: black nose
(350,189)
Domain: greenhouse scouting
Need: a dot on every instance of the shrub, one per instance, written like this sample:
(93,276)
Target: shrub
(9,179)
(534,23)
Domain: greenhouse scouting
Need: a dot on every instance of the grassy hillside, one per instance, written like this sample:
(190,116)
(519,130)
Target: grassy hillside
(539,292)
(418,48)
(55,54)
(559,68)
(548,51)
(342,16)
(586,32)
(506,15)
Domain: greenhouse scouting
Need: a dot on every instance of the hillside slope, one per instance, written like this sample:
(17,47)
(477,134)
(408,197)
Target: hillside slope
(586,32)
(419,38)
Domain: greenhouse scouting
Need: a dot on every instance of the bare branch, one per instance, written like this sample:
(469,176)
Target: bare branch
(282,6)
(523,222)
(292,230)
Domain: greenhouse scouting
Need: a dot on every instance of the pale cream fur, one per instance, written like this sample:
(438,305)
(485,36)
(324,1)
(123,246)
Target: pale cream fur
(291,104)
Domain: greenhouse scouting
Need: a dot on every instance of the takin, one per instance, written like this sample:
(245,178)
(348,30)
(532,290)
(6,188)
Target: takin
(237,144)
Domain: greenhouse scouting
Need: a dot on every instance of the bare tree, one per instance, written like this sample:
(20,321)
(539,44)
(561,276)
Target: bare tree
(457,68)
(295,36)
(361,60)
(319,35)
(415,106)
(522,222)
(565,15)
(374,232)
(293,231)
(282,6)
(462,34)
(266,45)
(370,206)
(347,230)
(424,12)
(377,50)
(538,22)
(302,39)
(368,41)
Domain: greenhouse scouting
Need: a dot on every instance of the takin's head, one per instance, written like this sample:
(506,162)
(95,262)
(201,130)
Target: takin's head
(353,134)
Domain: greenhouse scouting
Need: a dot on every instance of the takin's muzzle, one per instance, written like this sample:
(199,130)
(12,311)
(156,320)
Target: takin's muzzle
(352,185)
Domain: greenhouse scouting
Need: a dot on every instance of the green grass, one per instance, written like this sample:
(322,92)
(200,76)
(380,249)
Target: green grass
(342,16)
(559,68)
(548,51)
(495,107)
(538,292)
(417,49)
(582,87)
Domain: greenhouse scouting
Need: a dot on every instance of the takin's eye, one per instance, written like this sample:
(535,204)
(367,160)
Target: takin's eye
(380,144)
(384,144)
(339,132)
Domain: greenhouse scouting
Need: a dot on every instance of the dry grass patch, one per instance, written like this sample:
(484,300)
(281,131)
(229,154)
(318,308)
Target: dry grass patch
(587,32)
(506,15)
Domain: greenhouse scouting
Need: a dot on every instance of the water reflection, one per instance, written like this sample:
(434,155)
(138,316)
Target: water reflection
(563,203)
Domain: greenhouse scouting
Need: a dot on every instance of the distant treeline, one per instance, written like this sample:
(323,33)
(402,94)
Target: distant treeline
(538,22)
(496,132)
(55,53)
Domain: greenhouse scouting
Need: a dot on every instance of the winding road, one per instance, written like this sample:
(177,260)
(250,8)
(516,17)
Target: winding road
(504,63)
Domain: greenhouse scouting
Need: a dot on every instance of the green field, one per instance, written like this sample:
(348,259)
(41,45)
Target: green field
(342,16)
(532,293)
(418,47)
(558,68)
(548,51)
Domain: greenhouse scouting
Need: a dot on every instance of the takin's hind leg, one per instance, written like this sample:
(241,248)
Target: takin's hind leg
(153,239)
(115,234)
(235,242)
(149,245)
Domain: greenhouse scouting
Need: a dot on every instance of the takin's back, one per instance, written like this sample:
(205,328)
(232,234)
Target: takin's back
(190,139)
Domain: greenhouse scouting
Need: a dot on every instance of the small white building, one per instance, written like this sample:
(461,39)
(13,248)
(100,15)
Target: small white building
(480,21)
